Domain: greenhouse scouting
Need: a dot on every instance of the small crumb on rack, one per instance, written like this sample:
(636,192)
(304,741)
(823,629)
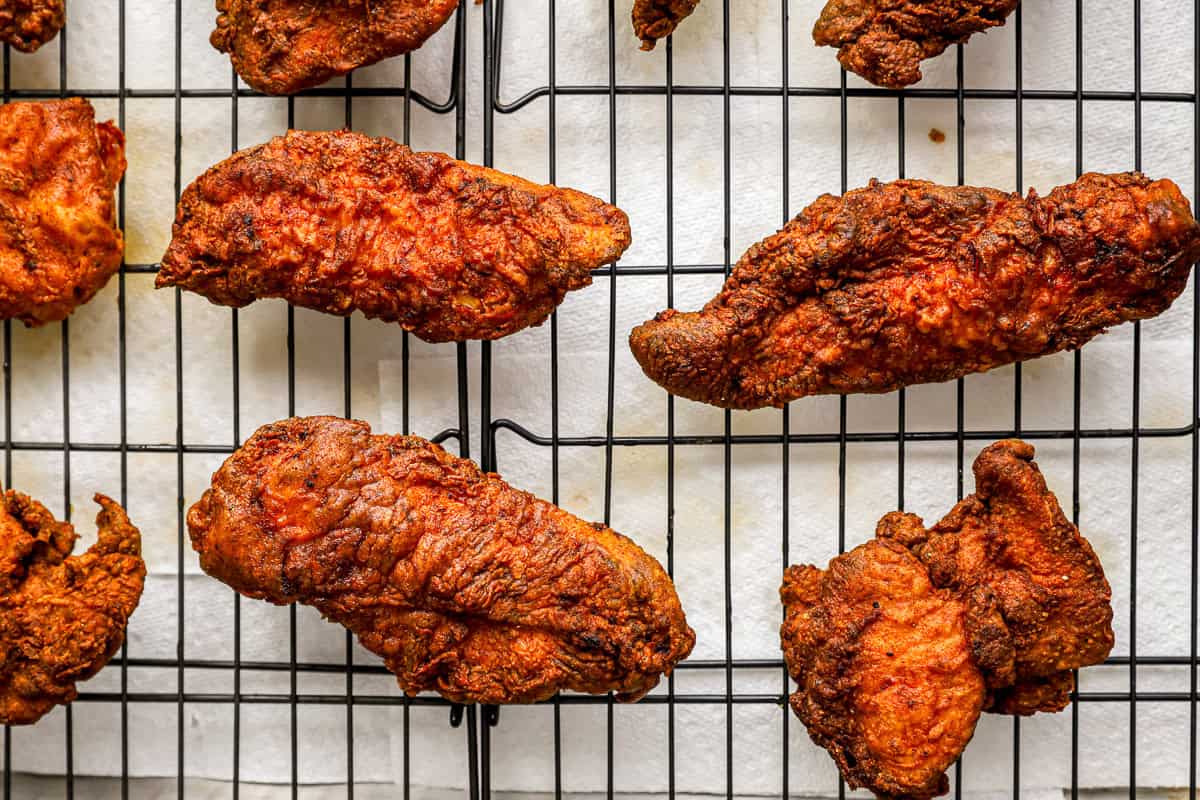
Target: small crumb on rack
(936,136)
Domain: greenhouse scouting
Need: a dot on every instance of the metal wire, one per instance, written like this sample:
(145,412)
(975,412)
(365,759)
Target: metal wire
(482,725)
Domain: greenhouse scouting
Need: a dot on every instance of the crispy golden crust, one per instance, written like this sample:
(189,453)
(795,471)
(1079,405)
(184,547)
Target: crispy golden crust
(1010,547)
(885,679)
(339,222)
(461,583)
(29,24)
(62,617)
(900,644)
(657,19)
(911,282)
(283,46)
(59,243)
(885,41)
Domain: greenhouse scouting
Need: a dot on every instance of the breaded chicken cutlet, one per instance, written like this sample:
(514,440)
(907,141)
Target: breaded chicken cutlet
(899,645)
(340,222)
(62,617)
(59,240)
(910,282)
(461,583)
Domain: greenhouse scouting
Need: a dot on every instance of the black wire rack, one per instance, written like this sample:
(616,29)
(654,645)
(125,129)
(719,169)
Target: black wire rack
(480,725)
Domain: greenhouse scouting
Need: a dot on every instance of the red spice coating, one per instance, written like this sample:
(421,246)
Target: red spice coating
(62,617)
(339,222)
(657,19)
(885,41)
(883,668)
(283,46)
(911,282)
(59,242)
(29,24)
(461,583)
(1009,550)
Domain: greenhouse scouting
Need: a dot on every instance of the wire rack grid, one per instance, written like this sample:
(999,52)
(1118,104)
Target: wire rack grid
(482,725)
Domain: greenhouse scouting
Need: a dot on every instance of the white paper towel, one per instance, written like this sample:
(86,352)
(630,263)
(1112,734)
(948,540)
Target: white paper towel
(523,743)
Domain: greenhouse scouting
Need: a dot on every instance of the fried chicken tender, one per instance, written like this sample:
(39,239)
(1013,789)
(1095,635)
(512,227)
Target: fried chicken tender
(911,282)
(884,673)
(62,617)
(338,222)
(1010,546)
(885,41)
(903,641)
(657,19)
(59,243)
(283,46)
(29,24)
(461,583)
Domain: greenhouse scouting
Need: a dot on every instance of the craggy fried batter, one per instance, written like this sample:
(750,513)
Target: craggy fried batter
(1026,697)
(339,222)
(900,644)
(885,679)
(283,46)
(657,19)
(911,282)
(29,24)
(59,243)
(461,583)
(62,617)
(1010,544)
(885,41)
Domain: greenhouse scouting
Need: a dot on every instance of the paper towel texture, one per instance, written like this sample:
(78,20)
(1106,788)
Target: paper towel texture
(766,183)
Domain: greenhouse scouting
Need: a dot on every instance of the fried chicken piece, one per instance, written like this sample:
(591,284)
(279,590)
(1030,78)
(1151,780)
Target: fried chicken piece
(1010,546)
(62,617)
(59,243)
(338,222)
(463,584)
(283,46)
(903,641)
(29,24)
(657,19)
(911,282)
(883,667)
(885,41)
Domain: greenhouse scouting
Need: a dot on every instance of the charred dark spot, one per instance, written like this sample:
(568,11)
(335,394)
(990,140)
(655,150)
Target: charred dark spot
(1106,250)
(591,641)
(598,526)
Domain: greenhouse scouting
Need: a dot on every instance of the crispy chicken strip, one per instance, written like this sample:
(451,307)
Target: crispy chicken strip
(883,667)
(885,41)
(59,242)
(339,222)
(1010,546)
(62,617)
(911,282)
(657,19)
(29,24)
(461,583)
(283,46)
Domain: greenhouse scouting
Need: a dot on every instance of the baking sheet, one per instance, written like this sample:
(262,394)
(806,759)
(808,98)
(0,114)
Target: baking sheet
(523,745)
